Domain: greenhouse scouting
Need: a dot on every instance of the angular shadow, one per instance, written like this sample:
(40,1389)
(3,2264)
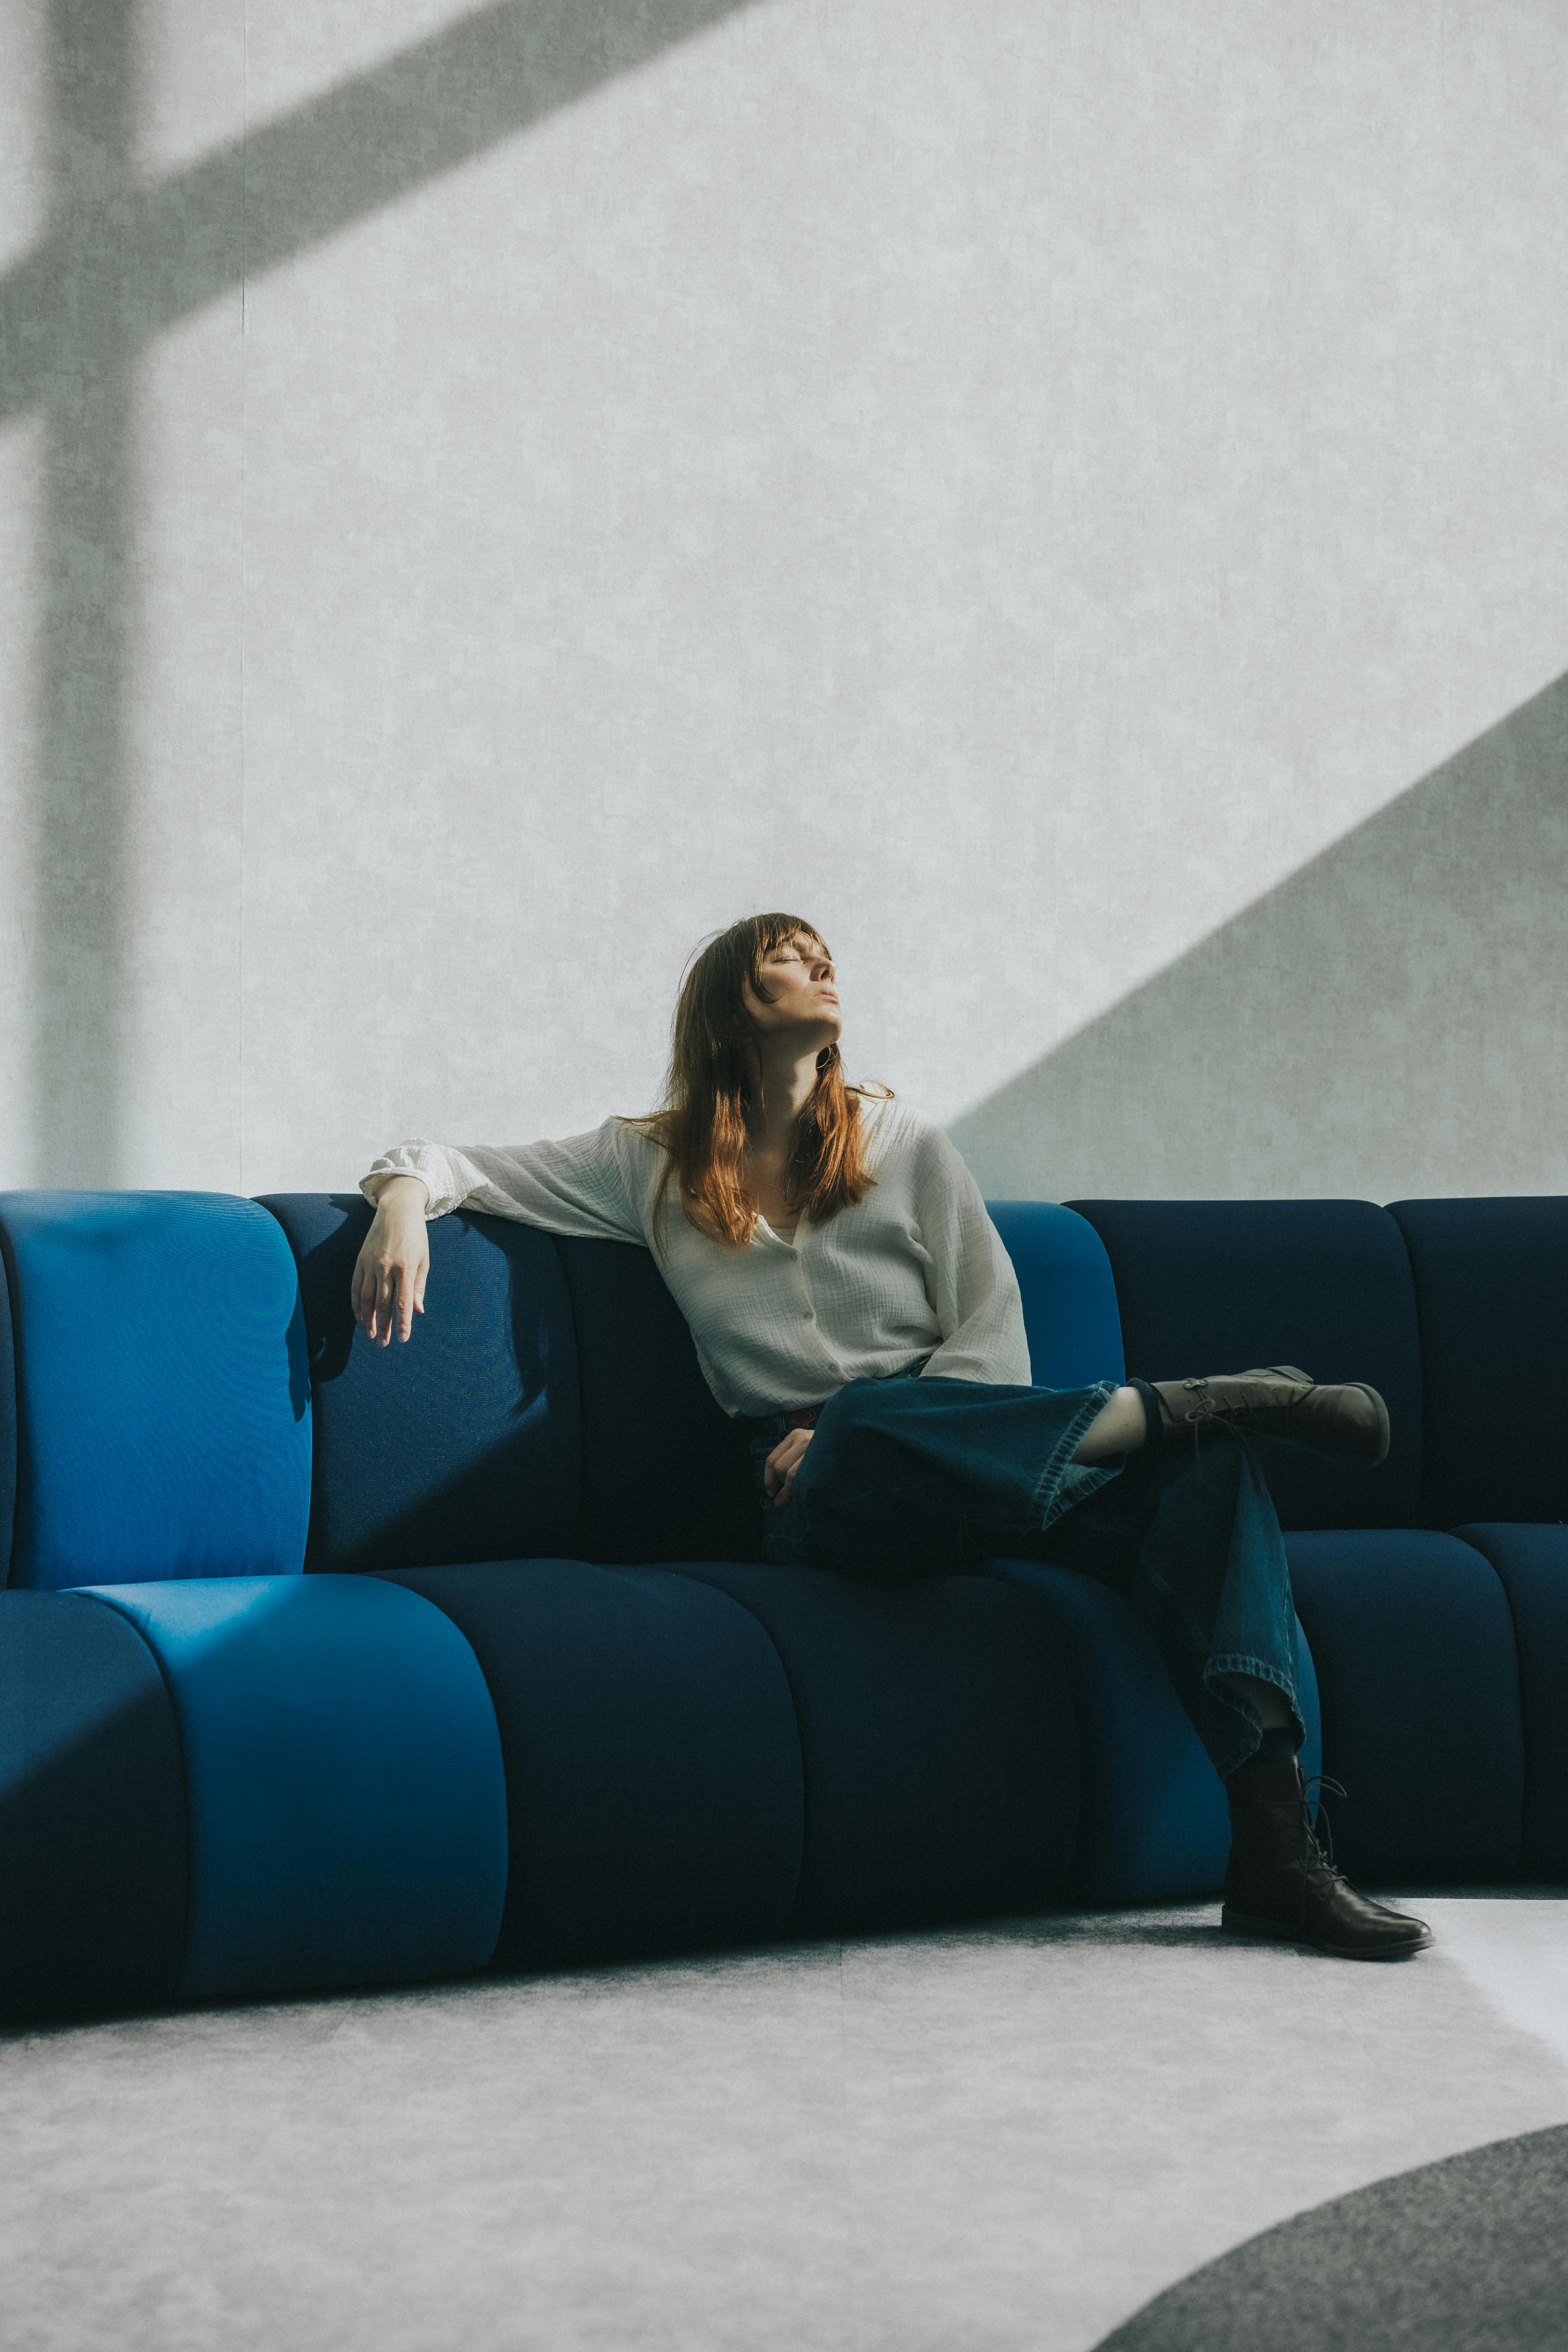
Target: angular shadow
(123,263)
(1390,1022)
(78,889)
(120,264)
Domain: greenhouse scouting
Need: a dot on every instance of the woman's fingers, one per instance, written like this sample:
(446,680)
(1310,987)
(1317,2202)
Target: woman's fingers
(387,1289)
(363,1293)
(778,1471)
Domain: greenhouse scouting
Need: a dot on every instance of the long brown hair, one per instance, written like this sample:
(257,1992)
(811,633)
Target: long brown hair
(702,1122)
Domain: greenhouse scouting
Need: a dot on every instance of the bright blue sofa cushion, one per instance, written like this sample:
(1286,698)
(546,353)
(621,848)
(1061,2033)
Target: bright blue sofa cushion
(1531,1564)
(1070,1315)
(344,1789)
(160,1396)
(93,1811)
(461,1444)
(1418,1678)
(1219,1285)
(1153,1822)
(937,1737)
(652,1761)
(1491,1286)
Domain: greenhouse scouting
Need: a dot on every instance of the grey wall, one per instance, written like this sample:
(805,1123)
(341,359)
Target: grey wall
(1070,497)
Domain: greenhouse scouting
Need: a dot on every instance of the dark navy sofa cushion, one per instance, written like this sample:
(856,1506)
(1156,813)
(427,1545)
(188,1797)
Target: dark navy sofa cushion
(665,1472)
(1070,1316)
(1418,1680)
(652,1761)
(8,1428)
(460,1443)
(1491,1289)
(1153,1822)
(1221,1286)
(937,1737)
(158,1389)
(93,1812)
(1532,1563)
(343,1782)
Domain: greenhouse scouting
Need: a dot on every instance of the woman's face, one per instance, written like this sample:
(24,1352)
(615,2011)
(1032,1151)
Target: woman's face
(799,977)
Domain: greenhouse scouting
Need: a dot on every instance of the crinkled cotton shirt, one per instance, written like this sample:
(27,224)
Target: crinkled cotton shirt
(913,1278)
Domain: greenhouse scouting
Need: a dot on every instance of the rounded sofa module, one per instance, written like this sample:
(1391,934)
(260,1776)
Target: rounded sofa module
(155,1398)
(345,1797)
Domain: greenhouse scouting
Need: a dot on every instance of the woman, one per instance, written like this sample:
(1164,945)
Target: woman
(853,1305)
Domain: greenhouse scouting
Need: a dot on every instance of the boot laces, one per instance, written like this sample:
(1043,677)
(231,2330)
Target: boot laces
(1320,1830)
(1206,1406)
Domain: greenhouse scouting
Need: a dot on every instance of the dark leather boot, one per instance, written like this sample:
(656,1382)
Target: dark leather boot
(1282,1886)
(1282,1400)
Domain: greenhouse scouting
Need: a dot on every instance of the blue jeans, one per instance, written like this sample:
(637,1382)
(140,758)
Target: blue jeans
(911,1477)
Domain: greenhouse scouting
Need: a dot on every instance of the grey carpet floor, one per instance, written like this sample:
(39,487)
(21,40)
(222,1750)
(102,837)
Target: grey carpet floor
(1469,2255)
(983,2140)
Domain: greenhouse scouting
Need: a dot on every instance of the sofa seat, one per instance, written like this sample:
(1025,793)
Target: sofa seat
(93,1811)
(1531,1564)
(239,1786)
(1154,1822)
(939,1747)
(1418,1676)
(652,1762)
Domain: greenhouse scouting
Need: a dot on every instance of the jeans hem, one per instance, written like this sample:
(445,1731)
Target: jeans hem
(1047,1487)
(1233,1754)
(1237,1662)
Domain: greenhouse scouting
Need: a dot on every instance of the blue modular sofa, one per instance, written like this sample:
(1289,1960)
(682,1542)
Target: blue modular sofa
(326,1665)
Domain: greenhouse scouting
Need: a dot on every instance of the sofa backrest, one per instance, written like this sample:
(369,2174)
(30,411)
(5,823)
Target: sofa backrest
(551,1402)
(1071,1317)
(1491,1287)
(665,1472)
(154,1403)
(462,1444)
(1222,1286)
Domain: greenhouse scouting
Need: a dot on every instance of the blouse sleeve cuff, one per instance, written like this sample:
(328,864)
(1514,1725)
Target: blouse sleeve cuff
(421,1160)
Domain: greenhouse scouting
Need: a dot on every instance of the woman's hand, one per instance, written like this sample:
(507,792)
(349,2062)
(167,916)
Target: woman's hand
(779,1469)
(388,1290)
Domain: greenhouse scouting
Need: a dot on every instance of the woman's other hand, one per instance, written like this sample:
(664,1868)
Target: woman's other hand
(390,1271)
(778,1471)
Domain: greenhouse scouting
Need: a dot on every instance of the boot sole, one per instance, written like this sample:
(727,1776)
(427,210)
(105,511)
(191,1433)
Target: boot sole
(1273,1931)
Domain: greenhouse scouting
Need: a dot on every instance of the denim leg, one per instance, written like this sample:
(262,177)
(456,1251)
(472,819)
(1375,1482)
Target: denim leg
(1192,1538)
(914,1476)
(910,1477)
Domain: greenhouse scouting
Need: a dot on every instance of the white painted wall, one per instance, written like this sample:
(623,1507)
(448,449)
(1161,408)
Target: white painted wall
(1013,482)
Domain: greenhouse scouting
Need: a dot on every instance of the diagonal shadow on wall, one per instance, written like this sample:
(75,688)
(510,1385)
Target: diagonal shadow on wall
(1355,1032)
(121,263)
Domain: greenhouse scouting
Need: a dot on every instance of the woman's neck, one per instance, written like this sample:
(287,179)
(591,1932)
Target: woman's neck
(781,1087)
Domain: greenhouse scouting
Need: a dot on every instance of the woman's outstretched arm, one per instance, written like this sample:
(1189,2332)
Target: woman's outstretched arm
(591,1185)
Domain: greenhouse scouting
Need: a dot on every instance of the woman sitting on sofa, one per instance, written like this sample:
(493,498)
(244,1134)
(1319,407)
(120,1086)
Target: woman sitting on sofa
(852,1304)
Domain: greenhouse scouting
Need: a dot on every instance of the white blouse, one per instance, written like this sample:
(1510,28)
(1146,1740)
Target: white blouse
(913,1278)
